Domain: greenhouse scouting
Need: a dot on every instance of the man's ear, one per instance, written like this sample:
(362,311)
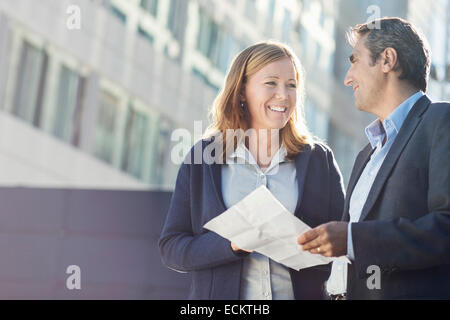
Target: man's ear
(389,59)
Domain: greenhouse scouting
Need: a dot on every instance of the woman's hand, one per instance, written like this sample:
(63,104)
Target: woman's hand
(236,249)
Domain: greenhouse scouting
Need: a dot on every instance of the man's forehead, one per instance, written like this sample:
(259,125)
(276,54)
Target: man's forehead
(360,45)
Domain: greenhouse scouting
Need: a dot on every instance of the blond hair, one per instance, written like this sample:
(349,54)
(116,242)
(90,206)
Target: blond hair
(227,112)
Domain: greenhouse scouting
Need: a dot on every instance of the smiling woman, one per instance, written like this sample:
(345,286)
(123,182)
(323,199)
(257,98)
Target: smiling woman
(263,90)
(261,98)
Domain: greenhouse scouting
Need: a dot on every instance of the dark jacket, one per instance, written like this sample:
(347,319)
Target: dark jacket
(216,270)
(404,227)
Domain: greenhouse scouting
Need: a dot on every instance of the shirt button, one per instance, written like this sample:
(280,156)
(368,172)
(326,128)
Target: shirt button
(266,294)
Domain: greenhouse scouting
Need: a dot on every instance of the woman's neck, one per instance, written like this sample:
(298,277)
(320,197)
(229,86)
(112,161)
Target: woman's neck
(263,144)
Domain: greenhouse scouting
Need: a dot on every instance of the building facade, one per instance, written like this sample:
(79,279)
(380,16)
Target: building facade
(433,19)
(95,104)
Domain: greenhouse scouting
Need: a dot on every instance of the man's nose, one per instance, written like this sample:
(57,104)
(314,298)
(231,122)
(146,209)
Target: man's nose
(348,78)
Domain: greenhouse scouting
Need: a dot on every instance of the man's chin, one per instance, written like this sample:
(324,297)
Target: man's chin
(359,106)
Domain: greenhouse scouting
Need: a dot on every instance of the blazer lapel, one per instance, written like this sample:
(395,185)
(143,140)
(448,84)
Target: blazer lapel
(360,163)
(215,171)
(301,165)
(405,133)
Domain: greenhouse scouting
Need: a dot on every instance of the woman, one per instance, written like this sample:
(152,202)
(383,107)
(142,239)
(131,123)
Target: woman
(262,91)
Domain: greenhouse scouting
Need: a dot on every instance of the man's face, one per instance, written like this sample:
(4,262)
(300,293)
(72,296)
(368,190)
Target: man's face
(365,78)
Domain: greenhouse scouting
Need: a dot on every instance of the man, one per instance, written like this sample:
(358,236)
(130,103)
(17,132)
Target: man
(396,222)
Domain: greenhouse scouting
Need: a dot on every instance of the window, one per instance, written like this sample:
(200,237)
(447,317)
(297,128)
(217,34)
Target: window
(68,106)
(30,84)
(344,148)
(215,43)
(270,16)
(224,56)
(145,35)
(162,152)
(316,120)
(250,10)
(318,53)
(151,6)
(286,25)
(199,74)
(135,143)
(207,35)
(104,136)
(304,40)
(175,21)
(119,14)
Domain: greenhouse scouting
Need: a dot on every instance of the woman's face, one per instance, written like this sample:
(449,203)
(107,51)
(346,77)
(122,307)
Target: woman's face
(271,95)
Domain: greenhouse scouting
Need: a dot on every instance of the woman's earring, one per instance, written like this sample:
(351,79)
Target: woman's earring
(242,105)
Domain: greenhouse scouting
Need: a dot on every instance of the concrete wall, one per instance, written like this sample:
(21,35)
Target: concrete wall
(111,235)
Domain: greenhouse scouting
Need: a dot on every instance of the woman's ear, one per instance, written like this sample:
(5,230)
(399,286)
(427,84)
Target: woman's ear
(242,95)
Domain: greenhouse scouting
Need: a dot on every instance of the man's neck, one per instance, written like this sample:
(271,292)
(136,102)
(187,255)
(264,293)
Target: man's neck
(392,99)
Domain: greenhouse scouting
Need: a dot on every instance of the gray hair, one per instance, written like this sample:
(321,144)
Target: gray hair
(413,52)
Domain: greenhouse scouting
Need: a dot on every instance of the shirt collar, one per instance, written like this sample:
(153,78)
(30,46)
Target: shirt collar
(243,153)
(376,131)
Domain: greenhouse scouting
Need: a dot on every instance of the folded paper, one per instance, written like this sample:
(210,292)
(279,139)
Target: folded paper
(261,223)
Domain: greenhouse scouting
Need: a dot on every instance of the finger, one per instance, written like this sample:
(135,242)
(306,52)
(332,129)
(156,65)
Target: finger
(307,236)
(324,250)
(311,245)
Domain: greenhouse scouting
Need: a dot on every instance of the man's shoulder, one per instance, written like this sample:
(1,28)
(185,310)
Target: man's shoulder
(438,110)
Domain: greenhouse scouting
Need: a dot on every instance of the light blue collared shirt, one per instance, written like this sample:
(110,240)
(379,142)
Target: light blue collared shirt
(376,133)
(261,278)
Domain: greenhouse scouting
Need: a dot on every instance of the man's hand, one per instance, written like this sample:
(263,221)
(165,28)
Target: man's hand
(329,239)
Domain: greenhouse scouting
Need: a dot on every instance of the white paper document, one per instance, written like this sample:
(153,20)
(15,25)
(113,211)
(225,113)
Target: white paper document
(261,223)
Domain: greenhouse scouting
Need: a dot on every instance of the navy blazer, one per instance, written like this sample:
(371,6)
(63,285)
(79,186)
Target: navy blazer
(216,270)
(404,227)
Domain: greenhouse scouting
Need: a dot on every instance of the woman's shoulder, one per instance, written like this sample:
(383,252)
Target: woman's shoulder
(319,148)
(197,153)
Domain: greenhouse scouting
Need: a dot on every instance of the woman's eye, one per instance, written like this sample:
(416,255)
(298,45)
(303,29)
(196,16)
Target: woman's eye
(271,83)
(293,85)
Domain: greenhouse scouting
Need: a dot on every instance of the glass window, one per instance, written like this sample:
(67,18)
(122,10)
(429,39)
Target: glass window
(250,9)
(175,20)
(119,14)
(205,79)
(151,6)
(316,120)
(104,136)
(162,154)
(68,103)
(270,16)
(318,53)
(30,84)
(204,33)
(214,42)
(286,25)
(135,143)
(304,40)
(145,34)
(225,52)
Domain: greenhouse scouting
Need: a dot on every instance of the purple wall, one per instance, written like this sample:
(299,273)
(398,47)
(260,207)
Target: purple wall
(111,235)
